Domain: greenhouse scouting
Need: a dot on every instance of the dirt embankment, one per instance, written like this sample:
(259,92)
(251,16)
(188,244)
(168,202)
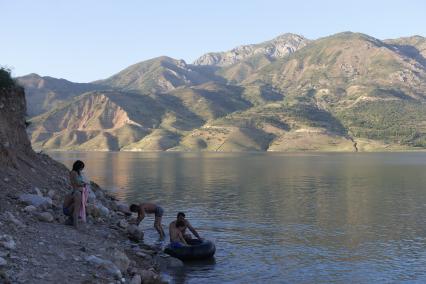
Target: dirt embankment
(35,245)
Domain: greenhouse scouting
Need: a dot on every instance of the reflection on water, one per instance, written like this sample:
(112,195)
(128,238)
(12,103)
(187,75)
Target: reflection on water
(283,218)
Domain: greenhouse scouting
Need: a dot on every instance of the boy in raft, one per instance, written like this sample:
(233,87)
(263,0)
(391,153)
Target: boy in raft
(181,217)
(177,239)
(149,208)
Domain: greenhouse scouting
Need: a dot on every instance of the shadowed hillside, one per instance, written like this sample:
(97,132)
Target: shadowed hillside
(287,94)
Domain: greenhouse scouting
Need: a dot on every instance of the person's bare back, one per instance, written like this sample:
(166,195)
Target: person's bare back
(149,208)
(176,236)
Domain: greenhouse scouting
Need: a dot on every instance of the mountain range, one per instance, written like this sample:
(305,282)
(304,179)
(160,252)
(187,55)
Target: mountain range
(344,92)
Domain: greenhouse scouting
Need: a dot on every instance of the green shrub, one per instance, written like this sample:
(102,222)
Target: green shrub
(6,80)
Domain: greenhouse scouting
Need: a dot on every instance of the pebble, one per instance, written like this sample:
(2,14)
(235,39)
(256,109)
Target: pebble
(123,224)
(38,191)
(7,242)
(30,209)
(137,279)
(120,259)
(148,276)
(13,219)
(3,262)
(51,193)
(45,217)
(144,255)
(123,208)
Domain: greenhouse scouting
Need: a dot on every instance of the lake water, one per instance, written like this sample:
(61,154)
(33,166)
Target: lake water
(283,218)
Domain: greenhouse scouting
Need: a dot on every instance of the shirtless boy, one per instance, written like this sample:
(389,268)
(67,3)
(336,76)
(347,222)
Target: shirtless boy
(181,217)
(176,234)
(149,208)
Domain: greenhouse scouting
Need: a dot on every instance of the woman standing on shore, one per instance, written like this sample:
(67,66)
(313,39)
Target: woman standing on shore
(79,192)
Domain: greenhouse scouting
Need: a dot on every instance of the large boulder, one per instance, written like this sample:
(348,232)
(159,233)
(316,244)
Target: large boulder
(165,261)
(91,197)
(123,208)
(35,200)
(45,217)
(103,211)
(135,233)
(149,277)
(93,210)
(105,264)
(120,259)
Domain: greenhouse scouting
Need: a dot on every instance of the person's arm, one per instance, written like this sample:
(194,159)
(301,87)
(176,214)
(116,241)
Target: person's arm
(193,231)
(182,239)
(141,215)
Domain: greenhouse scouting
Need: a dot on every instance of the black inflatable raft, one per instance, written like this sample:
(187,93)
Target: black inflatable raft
(196,250)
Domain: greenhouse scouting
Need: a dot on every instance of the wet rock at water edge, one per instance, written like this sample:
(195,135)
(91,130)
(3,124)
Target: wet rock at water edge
(123,224)
(123,208)
(144,255)
(165,261)
(149,276)
(135,233)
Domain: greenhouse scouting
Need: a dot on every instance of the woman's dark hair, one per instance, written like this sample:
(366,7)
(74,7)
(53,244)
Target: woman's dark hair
(134,208)
(78,166)
(180,223)
(181,214)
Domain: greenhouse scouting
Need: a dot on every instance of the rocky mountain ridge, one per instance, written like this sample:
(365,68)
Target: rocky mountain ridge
(278,47)
(287,94)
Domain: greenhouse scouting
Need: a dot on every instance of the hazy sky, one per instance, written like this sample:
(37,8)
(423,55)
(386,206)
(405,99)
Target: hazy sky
(85,40)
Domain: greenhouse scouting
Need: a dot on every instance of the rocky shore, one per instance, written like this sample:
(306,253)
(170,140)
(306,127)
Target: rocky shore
(35,245)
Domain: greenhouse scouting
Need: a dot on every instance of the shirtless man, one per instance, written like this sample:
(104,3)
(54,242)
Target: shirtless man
(149,208)
(176,234)
(181,217)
